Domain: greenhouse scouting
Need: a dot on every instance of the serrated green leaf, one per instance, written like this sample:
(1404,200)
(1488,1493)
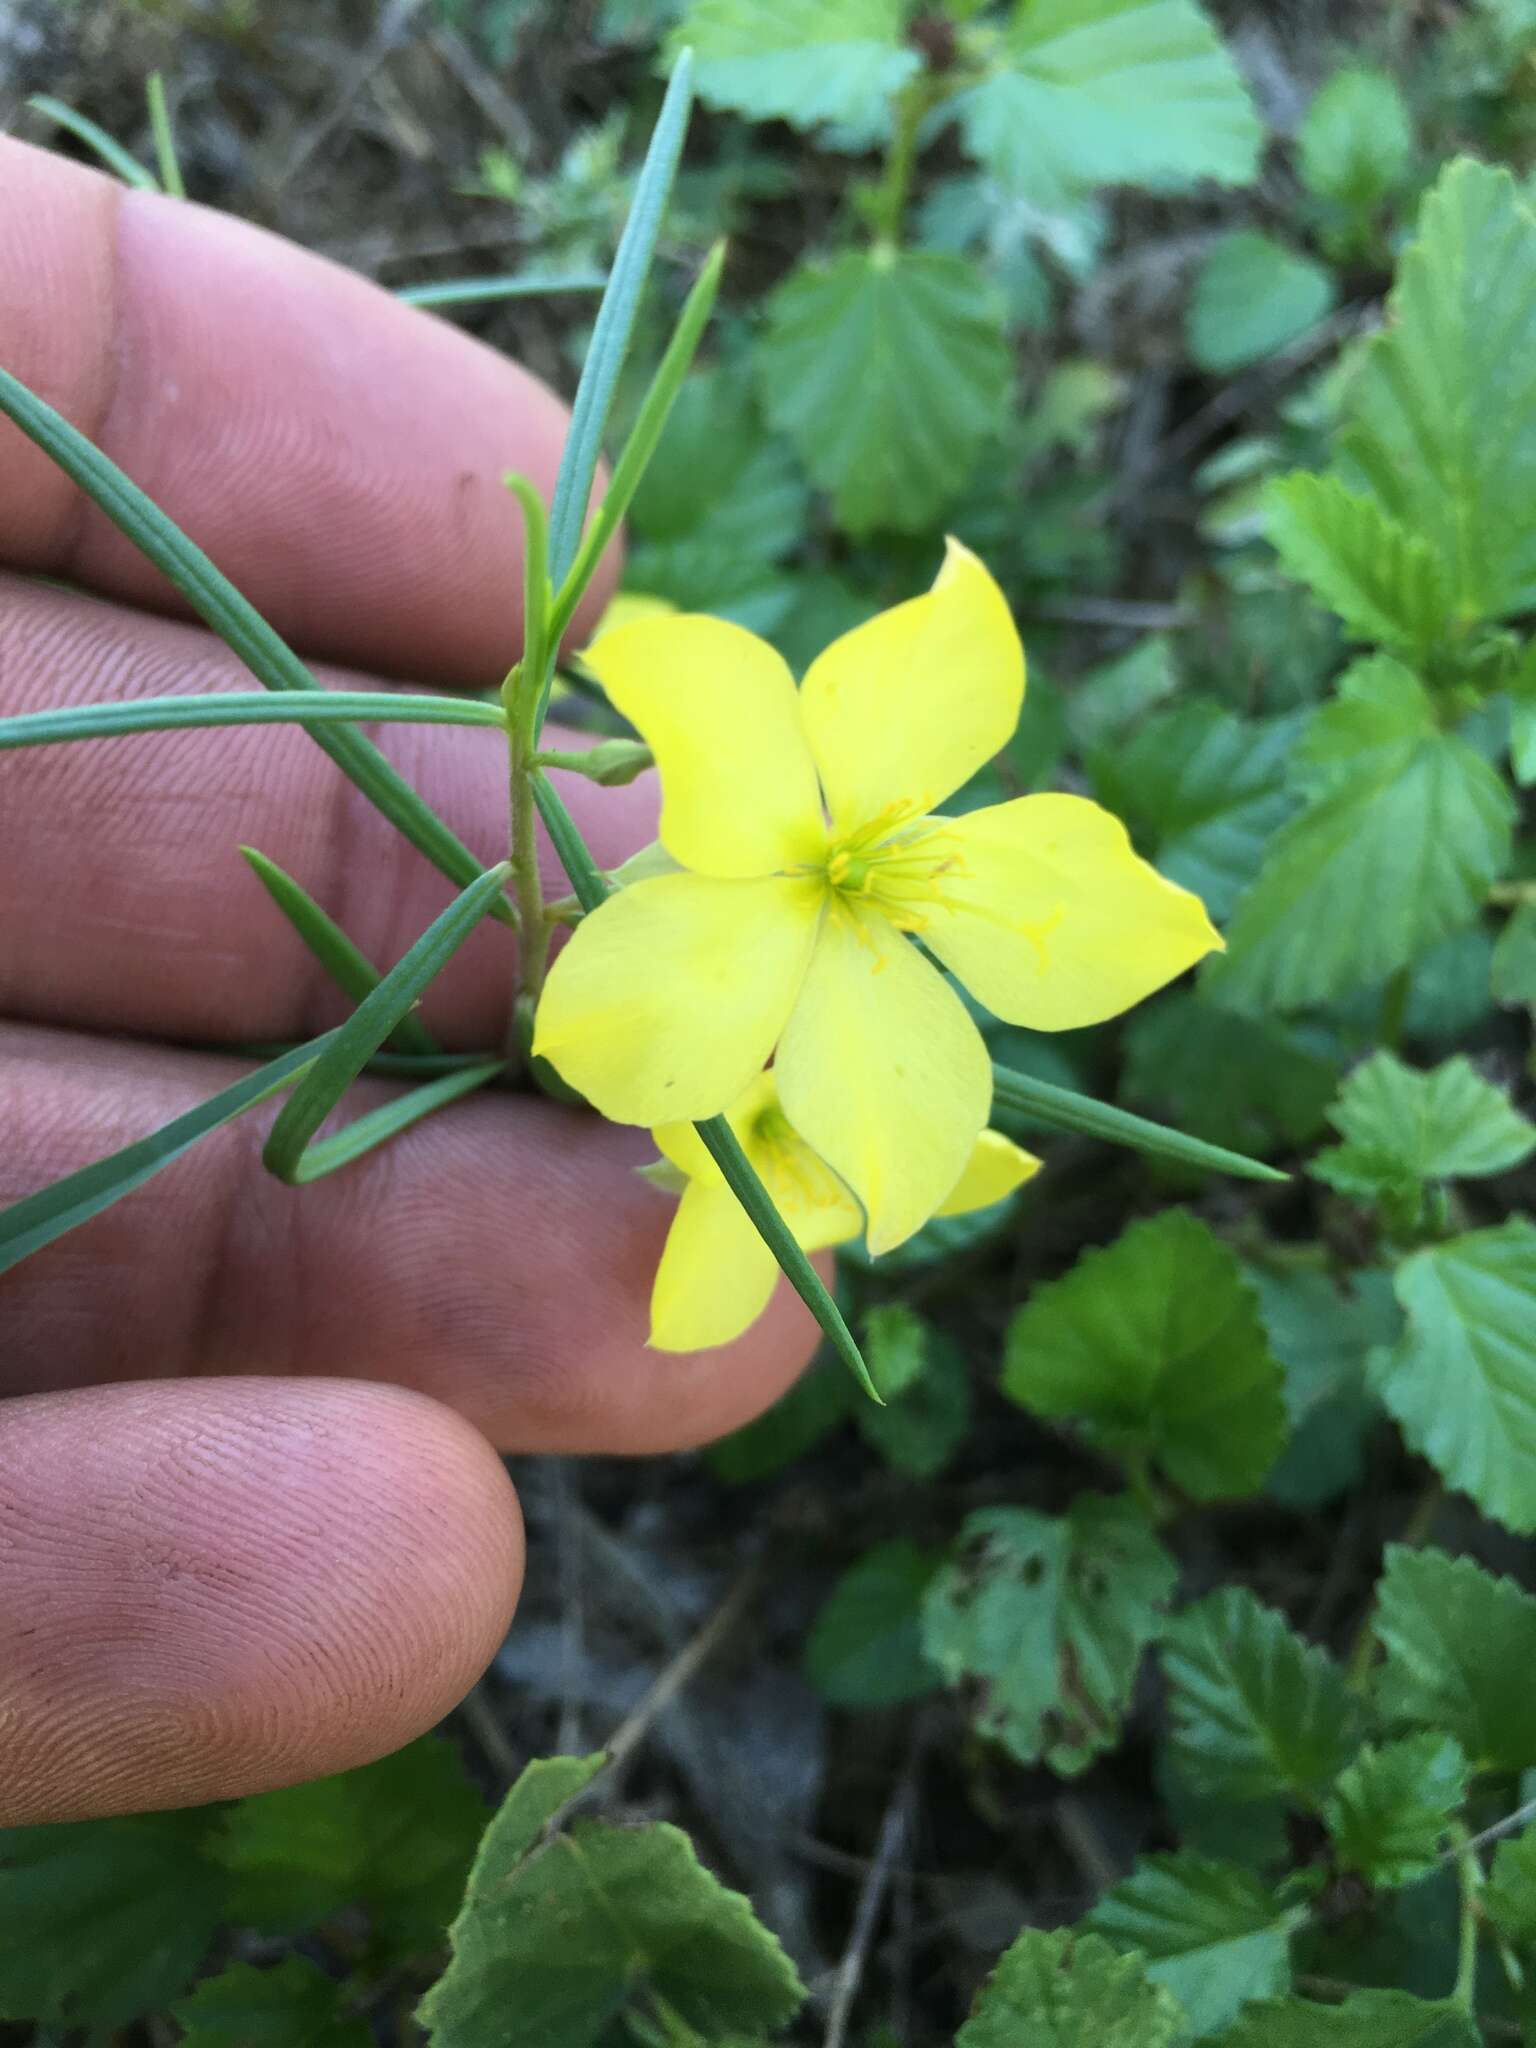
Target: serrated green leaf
(1390,1810)
(1405,828)
(1322,1338)
(866,1646)
(1386,583)
(1111,92)
(1156,1346)
(1047,1618)
(1107,702)
(396,1837)
(1211,1932)
(847,345)
(1356,143)
(105,1920)
(1255,1710)
(1366,2019)
(803,61)
(928,1402)
(293,2005)
(1402,1128)
(1471,1309)
(1509,1897)
(1253,296)
(1203,792)
(1460,1647)
(1514,958)
(638,1918)
(1441,409)
(1253,1083)
(722,501)
(1069,1990)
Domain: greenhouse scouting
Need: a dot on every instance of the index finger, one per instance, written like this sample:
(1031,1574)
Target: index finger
(337,453)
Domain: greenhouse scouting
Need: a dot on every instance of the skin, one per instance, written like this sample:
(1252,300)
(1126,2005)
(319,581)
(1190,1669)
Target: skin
(253,1524)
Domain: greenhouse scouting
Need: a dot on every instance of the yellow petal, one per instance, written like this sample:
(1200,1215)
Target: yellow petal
(997,1167)
(716,1275)
(1052,920)
(681,1144)
(905,708)
(719,710)
(883,1073)
(668,999)
(626,607)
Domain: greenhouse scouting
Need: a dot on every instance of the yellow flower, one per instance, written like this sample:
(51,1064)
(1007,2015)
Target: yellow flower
(802,825)
(716,1274)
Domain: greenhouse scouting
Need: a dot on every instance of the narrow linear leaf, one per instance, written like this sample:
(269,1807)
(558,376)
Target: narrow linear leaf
(354,974)
(478,291)
(591,890)
(616,321)
(38,1219)
(121,719)
(107,147)
(655,410)
(236,621)
(1034,1102)
(379,1125)
(164,135)
(354,1043)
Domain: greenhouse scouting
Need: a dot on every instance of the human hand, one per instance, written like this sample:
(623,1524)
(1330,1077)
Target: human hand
(252,1526)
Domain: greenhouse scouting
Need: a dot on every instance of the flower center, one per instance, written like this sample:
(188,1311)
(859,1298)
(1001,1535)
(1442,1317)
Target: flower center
(897,864)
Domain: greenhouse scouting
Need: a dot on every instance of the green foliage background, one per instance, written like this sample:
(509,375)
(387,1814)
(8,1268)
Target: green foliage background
(1172,1626)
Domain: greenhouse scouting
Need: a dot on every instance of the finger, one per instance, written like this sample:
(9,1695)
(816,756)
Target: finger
(210,1590)
(337,453)
(124,903)
(498,1257)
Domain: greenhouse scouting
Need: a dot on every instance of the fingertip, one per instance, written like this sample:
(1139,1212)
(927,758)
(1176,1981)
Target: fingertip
(219,1587)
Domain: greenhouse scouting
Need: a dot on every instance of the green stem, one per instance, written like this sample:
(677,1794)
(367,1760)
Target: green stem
(889,203)
(1469,1873)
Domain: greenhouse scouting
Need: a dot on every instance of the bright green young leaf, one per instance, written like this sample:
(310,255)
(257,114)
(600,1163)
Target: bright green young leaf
(1462,1380)
(1514,959)
(1156,1346)
(1252,297)
(107,1919)
(927,1394)
(1510,1894)
(1069,1990)
(1441,414)
(848,345)
(293,2005)
(1047,1618)
(1111,92)
(801,61)
(1405,828)
(1460,1648)
(1366,2019)
(559,1934)
(1255,1711)
(1323,1338)
(1389,1811)
(1257,1084)
(396,1837)
(1356,144)
(1386,583)
(1202,791)
(1402,1128)
(1211,1932)
(866,1647)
